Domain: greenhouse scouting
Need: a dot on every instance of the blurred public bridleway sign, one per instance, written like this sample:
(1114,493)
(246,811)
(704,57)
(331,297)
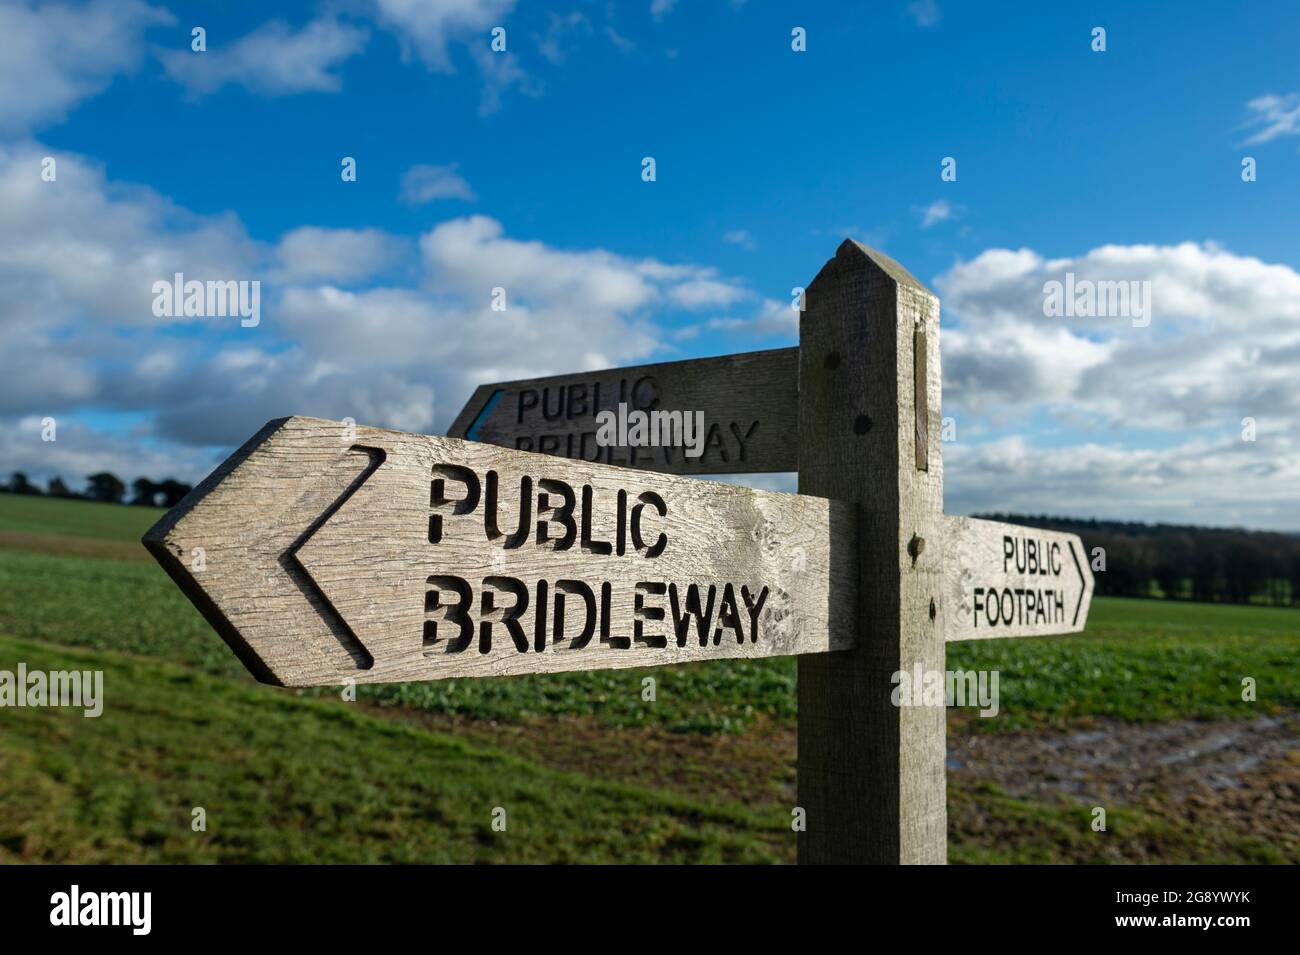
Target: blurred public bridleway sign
(749,403)
(322,551)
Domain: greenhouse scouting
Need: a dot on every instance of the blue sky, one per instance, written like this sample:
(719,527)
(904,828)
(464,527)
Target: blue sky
(1115,165)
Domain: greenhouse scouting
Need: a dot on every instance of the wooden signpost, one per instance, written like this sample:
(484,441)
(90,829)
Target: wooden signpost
(750,404)
(326,553)
(333,552)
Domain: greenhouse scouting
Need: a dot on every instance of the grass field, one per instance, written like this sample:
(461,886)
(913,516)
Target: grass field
(1139,660)
(586,770)
(74,518)
(289,780)
(72,527)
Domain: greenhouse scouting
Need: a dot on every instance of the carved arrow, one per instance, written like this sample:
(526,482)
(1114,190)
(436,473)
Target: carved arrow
(322,552)
(1004,580)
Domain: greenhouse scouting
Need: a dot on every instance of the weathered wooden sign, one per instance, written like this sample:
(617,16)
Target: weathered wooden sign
(1003,580)
(323,551)
(747,407)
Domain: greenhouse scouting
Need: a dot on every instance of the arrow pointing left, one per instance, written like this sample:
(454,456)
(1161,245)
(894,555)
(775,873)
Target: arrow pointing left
(331,552)
(230,545)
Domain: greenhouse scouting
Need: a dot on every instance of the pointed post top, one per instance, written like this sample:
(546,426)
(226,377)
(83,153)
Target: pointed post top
(853,254)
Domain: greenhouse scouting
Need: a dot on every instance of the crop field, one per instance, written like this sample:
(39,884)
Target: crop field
(1142,715)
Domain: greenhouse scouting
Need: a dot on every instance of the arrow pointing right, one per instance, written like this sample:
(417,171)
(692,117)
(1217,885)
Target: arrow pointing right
(1004,580)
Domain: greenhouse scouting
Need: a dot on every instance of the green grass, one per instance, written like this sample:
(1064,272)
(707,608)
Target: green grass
(29,514)
(1140,660)
(288,780)
(1144,661)
(986,826)
(1121,616)
(300,777)
(128,606)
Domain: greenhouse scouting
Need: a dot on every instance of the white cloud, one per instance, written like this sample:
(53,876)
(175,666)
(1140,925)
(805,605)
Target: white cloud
(773,319)
(566,310)
(82,450)
(426,28)
(273,60)
(661,8)
(1274,116)
(562,33)
(740,237)
(311,254)
(621,43)
(225,398)
(938,211)
(702,292)
(1224,339)
(83,249)
(78,258)
(501,72)
(472,256)
(425,183)
(1223,344)
(55,55)
(1199,481)
(924,12)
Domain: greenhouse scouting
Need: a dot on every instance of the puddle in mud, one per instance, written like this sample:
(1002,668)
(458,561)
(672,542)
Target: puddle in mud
(1121,761)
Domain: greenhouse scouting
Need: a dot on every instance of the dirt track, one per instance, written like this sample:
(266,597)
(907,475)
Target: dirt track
(1239,775)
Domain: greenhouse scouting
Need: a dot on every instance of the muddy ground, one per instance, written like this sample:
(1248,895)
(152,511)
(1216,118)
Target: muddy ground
(1240,775)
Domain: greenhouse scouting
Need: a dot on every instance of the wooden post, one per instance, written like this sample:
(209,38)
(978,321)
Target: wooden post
(871,774)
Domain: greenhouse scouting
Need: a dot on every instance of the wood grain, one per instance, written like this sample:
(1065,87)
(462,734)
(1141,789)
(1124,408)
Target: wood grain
(321,563)
(750,404)
(871,775)
(1004,580)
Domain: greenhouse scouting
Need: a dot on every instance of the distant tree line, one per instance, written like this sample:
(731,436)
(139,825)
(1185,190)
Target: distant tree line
(107,487)
(1180,562)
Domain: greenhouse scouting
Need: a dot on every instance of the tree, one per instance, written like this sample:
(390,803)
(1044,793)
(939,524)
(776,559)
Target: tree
(172,491)
(146,492)
(1295,578)
(58,488)
(1244,567)
(19,484)
(1207,572)
(1173,564)
(105,487)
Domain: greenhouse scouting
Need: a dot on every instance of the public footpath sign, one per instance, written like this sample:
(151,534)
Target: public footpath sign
(1003,580)
(324,553)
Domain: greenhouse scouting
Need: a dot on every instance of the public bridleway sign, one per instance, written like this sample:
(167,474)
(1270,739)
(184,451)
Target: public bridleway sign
(749,403)
(326,553)
(331,552)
